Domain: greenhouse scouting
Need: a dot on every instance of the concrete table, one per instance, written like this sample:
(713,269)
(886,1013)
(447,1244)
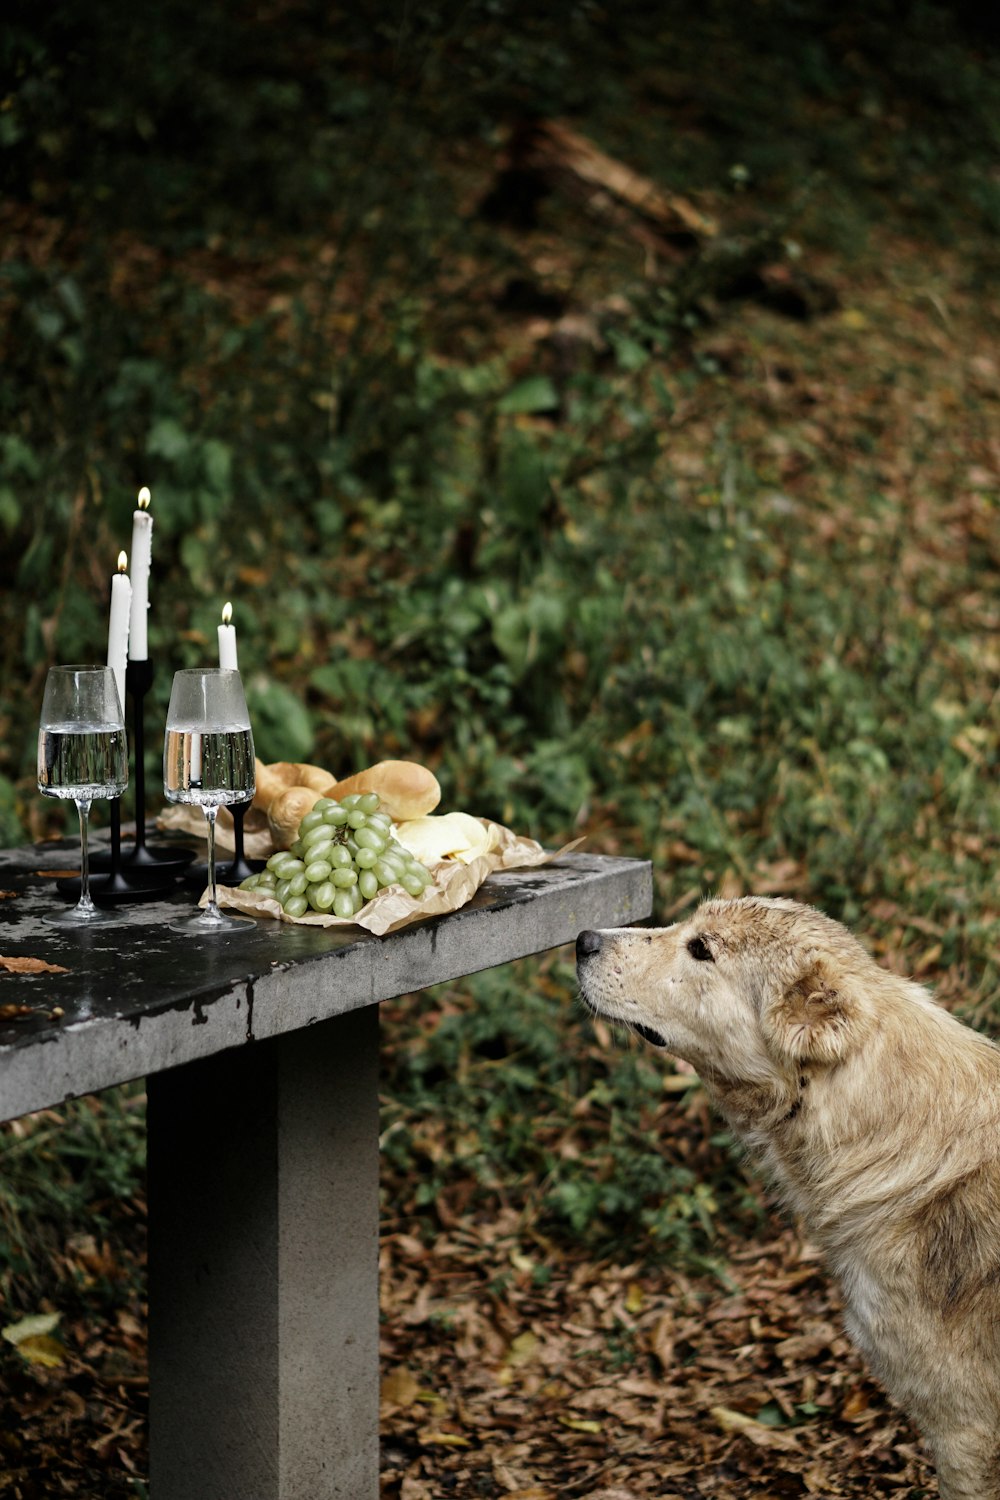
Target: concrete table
(261,1053)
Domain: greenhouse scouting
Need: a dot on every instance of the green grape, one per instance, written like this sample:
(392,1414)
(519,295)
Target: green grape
(356,897)
(418,869)
(296,906)
(351,800)
(381,821)
(318,871)
(385,873)
(250,884)
(339,856)
(356,818)
(281,890)
(320,897)
(343,905)
(335,815)
(322,834)
(298,884)
(310,821)
(365,859)
(368,884)
(368,802)
(276,859)
(290,866)
(266,880)
(368,838)
(344,877)
(412,884)
(296,849)
(322,805)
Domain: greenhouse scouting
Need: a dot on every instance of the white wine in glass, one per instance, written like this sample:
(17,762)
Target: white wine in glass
(208,762)
(82,756)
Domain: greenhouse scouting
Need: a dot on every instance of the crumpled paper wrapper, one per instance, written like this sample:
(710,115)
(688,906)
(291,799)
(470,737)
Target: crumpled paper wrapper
(257,840)
(454,884)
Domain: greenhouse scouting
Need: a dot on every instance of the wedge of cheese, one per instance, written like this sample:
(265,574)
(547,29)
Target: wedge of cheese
(455,835)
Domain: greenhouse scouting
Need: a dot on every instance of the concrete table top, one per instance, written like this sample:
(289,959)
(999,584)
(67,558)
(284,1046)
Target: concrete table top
(137,998)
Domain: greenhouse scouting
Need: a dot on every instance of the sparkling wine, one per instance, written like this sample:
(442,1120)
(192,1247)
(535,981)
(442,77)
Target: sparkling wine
(208,767)
(82,761)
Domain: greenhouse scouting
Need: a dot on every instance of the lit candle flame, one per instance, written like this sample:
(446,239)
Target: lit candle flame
(122,561)
(227,613)
(144,498)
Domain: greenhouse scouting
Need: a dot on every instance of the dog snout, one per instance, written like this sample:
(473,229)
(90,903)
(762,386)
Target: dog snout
(587,944)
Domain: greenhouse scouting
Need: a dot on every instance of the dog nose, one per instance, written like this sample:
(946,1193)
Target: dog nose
(587,944)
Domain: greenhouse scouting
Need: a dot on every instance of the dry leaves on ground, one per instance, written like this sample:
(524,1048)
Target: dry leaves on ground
(512,1371)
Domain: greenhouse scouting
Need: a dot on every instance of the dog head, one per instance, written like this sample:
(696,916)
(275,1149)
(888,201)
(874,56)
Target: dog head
(748,991)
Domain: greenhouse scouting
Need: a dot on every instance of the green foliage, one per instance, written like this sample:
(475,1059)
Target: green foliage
(495,1097)
(60,1176)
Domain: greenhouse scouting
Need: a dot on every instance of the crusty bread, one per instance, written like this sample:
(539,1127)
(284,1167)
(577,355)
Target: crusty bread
(406,790)
(287,811)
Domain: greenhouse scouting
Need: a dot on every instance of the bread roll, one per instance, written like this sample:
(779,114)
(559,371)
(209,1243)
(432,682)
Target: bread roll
(272,779)
(313,776)
(406,789)
(280,774)
(287,811)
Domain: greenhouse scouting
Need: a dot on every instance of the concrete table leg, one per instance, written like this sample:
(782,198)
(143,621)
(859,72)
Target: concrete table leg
(263,1269)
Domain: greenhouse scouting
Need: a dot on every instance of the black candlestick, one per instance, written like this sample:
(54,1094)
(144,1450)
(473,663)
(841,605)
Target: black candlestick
(109,885)
(162,862)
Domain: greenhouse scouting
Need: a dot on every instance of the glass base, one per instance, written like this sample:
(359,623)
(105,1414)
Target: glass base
(212,921)
(83,916)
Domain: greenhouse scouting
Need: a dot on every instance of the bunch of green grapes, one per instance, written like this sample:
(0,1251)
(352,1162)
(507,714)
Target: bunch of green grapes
(343,855)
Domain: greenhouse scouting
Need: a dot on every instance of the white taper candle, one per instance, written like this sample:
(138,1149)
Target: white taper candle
(142,553)
(118,625)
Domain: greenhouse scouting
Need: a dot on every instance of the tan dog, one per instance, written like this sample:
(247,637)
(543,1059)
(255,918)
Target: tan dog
(876,1113)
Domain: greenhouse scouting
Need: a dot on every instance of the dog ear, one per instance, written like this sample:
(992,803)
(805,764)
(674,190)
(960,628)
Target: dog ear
(815,1020)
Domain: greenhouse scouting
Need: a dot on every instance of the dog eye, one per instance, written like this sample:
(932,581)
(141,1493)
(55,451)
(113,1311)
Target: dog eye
(699,949)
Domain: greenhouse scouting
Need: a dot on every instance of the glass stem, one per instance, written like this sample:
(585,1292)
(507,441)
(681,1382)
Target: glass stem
(86,902)
(210,816)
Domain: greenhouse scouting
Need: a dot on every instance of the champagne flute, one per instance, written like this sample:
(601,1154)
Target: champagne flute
(82,755)
(208,761)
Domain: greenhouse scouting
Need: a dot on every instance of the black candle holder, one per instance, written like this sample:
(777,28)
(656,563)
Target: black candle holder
(161,860)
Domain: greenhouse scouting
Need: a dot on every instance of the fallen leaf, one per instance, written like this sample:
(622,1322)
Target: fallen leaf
(581,1424)
(44,1351)
(15,1012)
(32,1338)
(444,1439)
(57,874)
(30,1327)
(757,1432)
(634,1298)
(19,965)
(523,1349)
(400,1387)
(8,895)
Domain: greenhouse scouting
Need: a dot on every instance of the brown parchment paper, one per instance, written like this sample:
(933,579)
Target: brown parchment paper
(453,885)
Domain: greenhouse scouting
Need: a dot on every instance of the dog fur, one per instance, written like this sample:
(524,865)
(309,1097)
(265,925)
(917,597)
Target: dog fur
(877,1116)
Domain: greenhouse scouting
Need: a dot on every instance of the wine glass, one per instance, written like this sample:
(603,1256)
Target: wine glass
(208,761)
(82,755)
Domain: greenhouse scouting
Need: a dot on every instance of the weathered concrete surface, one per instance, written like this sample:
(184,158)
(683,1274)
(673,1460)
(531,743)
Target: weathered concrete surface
(138,998)
(263,1271)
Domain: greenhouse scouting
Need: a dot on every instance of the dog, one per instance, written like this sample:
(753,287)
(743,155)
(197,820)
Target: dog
(876,1115)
